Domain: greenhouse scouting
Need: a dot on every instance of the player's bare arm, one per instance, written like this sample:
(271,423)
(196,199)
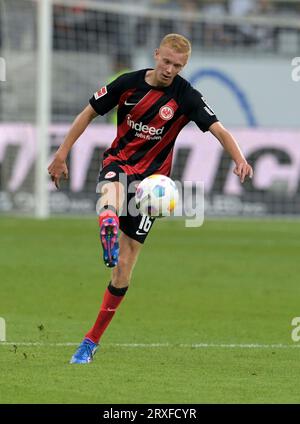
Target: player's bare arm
(242,168)
(58,166)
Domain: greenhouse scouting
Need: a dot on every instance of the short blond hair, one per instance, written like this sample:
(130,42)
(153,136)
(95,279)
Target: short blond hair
(177,42)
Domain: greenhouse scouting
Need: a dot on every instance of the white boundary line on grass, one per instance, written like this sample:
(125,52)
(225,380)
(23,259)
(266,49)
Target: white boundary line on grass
(162,345)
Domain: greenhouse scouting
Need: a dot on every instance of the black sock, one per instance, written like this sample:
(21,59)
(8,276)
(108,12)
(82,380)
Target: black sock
(117,291)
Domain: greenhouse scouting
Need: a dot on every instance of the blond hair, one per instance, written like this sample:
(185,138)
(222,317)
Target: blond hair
(177,42)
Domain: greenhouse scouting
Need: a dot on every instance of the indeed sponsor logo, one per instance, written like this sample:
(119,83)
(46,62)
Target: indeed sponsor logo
(139,126)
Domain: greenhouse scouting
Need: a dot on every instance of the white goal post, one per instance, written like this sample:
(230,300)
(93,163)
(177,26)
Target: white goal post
(43,107)
(57,53)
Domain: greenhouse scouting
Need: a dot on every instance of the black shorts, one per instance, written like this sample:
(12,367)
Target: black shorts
(137,227)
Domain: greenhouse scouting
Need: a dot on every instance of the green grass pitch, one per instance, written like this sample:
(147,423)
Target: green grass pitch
(222,287)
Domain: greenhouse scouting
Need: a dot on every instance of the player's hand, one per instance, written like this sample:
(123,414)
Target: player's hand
(57,169)
(243,170)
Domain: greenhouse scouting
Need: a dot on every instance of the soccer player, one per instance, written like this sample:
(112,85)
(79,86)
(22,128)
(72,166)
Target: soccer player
(153,106)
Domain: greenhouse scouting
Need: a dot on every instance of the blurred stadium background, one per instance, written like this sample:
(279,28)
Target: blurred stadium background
(241,62)
(208,318)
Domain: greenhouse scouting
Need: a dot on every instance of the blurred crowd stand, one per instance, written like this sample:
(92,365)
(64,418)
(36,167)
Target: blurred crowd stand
(118,34)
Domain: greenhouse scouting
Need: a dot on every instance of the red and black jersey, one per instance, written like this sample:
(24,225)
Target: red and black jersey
(149,120)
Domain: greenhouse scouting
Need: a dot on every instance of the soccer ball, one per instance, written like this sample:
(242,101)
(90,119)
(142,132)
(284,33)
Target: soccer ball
(156,196)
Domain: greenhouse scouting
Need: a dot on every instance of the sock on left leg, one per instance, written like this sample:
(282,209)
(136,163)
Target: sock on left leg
(112,298)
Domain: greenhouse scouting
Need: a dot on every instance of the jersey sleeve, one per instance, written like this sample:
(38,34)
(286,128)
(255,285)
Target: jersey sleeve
(199,111)
(107,97)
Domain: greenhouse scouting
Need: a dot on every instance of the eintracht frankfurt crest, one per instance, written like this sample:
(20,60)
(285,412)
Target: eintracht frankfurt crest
(166,113)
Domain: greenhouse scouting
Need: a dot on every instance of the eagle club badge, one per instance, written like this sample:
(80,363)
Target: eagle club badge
(166,113)
(100,93)
(110,174)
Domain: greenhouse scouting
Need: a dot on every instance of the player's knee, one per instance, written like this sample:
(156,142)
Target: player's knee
(111,193)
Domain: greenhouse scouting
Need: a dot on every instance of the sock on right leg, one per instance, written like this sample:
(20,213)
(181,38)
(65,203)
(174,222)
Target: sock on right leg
(108,212)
